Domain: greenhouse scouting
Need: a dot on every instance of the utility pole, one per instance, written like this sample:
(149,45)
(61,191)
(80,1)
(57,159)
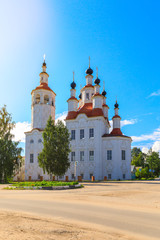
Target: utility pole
(75,170)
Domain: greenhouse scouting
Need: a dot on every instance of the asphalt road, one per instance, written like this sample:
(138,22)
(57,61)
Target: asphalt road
(84,206)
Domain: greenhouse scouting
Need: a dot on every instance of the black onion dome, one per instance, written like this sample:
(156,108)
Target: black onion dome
(104,93)
(116,105)
(73,85)
(89,71)
(97,81)
(80,95)
(44,64)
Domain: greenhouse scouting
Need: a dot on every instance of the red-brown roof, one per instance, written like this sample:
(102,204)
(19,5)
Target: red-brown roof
(116,116)
(43,86)
(105,105)
(87,109)
(40,130)
(88,86)
(109,135)
(116,131)
(97,94)
(72,98)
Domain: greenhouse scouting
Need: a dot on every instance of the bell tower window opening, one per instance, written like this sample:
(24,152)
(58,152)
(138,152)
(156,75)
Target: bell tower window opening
(46,99)
(87,96)
(37,99)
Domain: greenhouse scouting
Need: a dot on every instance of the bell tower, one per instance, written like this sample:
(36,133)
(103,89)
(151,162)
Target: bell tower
(43,101)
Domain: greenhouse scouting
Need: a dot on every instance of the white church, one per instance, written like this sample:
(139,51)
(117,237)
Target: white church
(95,151)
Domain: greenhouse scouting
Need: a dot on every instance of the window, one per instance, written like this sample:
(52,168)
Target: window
(91,155)
(72,175)
(109,154)
(73,134)
(123,155)
(109,176)
(91,174)
(37,99)
(124,176)
(52,102)
(31,158)
(73,155)
(91,132)
(61,177)
(46,99)
(31,141)
(81,133)
(39,140)
(81,155)
(82,175)
(87,96)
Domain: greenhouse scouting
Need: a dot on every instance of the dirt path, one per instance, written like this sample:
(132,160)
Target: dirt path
(99,211)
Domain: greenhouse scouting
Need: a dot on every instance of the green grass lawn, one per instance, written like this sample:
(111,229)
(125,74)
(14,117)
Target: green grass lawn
(38,185)
(43,184)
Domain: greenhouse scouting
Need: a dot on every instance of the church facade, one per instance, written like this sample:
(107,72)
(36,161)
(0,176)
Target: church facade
(95,151)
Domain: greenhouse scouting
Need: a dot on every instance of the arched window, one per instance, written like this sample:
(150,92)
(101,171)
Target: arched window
(52,102)
(46,99)
(31,141)
(39,140)
(37,98)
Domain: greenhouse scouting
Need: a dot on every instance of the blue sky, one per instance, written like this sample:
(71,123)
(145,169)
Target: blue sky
(121,37)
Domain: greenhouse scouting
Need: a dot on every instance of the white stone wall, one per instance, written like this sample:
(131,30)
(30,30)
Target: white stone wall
(87,144)
(97,102)
(33,169)
(72,105)
(117,167)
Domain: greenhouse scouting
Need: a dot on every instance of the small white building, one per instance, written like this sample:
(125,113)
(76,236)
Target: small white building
(94,150)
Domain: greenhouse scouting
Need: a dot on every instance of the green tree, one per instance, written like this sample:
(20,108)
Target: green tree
(153,161)
(138,160)
(142,173)
(9,151)
(54,158)
(135,152)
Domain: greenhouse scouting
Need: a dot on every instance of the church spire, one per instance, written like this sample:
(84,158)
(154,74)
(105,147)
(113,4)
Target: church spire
(44,75)
(116,121)
(44,64)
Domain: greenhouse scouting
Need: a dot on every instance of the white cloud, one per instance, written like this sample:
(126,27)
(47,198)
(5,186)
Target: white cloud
(61,116)
(155,136)
(124,123)
(128,122)
(156,146)
(155,93)
(19,130)
(145,150)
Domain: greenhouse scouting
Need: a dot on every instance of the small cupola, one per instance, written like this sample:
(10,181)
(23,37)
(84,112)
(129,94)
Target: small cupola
(116,105)
(104,93)
(97,80)
(89,71)
(73,84)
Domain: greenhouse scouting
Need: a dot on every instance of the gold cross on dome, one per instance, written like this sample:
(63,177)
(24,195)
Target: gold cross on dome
(89,61)
(44,56)
(73,76)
